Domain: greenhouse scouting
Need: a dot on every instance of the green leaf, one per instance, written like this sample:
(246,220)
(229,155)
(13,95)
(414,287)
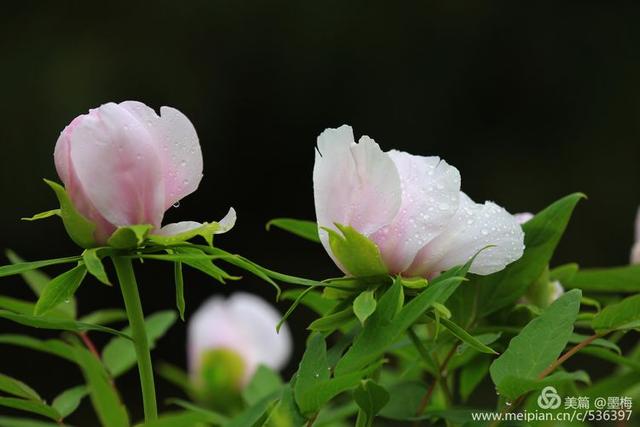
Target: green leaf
(250,415)
(55,347)
(286,412)
(359,255)
(313,300)
(79,228)
(104,317)
(180,302)
(598,342)
(93,263)
(212,417)
(621,316)
(391,319)
(104,397)
(26,307)
(24,422)
(68,401)
(17,388)
(466,337)
(119,354)
(313,370)
(36,280)
(180,419)
(202,264)
(332,321)
(405,399)
(43,215)
(487,294)
(564,273)
(46,322)
(264,382)
(302,228)
(514,386)
(60,289)
(9,270)
(31,406)
(130,236)
(472,374)
(610,280)
(603,354)
(537,346)
(364,305)
(371,398)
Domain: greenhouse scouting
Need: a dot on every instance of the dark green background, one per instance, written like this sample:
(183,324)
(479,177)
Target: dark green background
(530,101)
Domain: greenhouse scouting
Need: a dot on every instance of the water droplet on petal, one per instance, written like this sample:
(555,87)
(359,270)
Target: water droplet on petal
(176,204)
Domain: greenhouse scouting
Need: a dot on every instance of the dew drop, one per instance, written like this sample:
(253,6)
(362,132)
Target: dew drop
(484,232)
(183,163)
(176,204)
(444,206)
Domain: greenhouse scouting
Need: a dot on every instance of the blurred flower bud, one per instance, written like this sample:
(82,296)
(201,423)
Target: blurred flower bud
(228,339)
(410,206)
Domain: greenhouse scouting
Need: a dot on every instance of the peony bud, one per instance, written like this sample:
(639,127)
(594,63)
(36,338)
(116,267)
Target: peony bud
(410,206)
(122,164)
(229,338)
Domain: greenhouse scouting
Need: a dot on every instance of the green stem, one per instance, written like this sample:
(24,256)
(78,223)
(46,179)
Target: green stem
(129,288)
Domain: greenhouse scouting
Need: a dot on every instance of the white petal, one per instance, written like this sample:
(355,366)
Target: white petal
(179,147)
(178,227)
(473,228)
(354,184)
(430,192)
(227,222)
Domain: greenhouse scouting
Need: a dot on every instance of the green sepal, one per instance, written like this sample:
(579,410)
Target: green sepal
(364,305)
(414,282)
(619,317)
(130,236)
(93,261)
(79,228)
(359,255)
(43,215)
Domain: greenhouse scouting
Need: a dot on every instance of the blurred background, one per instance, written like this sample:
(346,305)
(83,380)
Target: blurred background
(530,102)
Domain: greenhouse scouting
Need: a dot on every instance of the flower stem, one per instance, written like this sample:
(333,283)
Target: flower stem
(129,288)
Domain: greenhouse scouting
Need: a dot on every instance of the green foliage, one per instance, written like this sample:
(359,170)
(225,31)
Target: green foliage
(60,289)
(17,388)
(610,280)
(119,355)
(45,322)
(104,397)
(537,346)
(371,398)
(68,401)
(302,228)
(621,316)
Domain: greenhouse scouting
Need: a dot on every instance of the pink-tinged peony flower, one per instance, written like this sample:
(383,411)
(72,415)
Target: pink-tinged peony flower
(410,206)
(243,325)
(123,164)
(635,250)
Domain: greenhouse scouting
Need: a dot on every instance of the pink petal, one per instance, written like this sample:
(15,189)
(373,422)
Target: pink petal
(179,149)
(430,189)
(473,228)
(116,160)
